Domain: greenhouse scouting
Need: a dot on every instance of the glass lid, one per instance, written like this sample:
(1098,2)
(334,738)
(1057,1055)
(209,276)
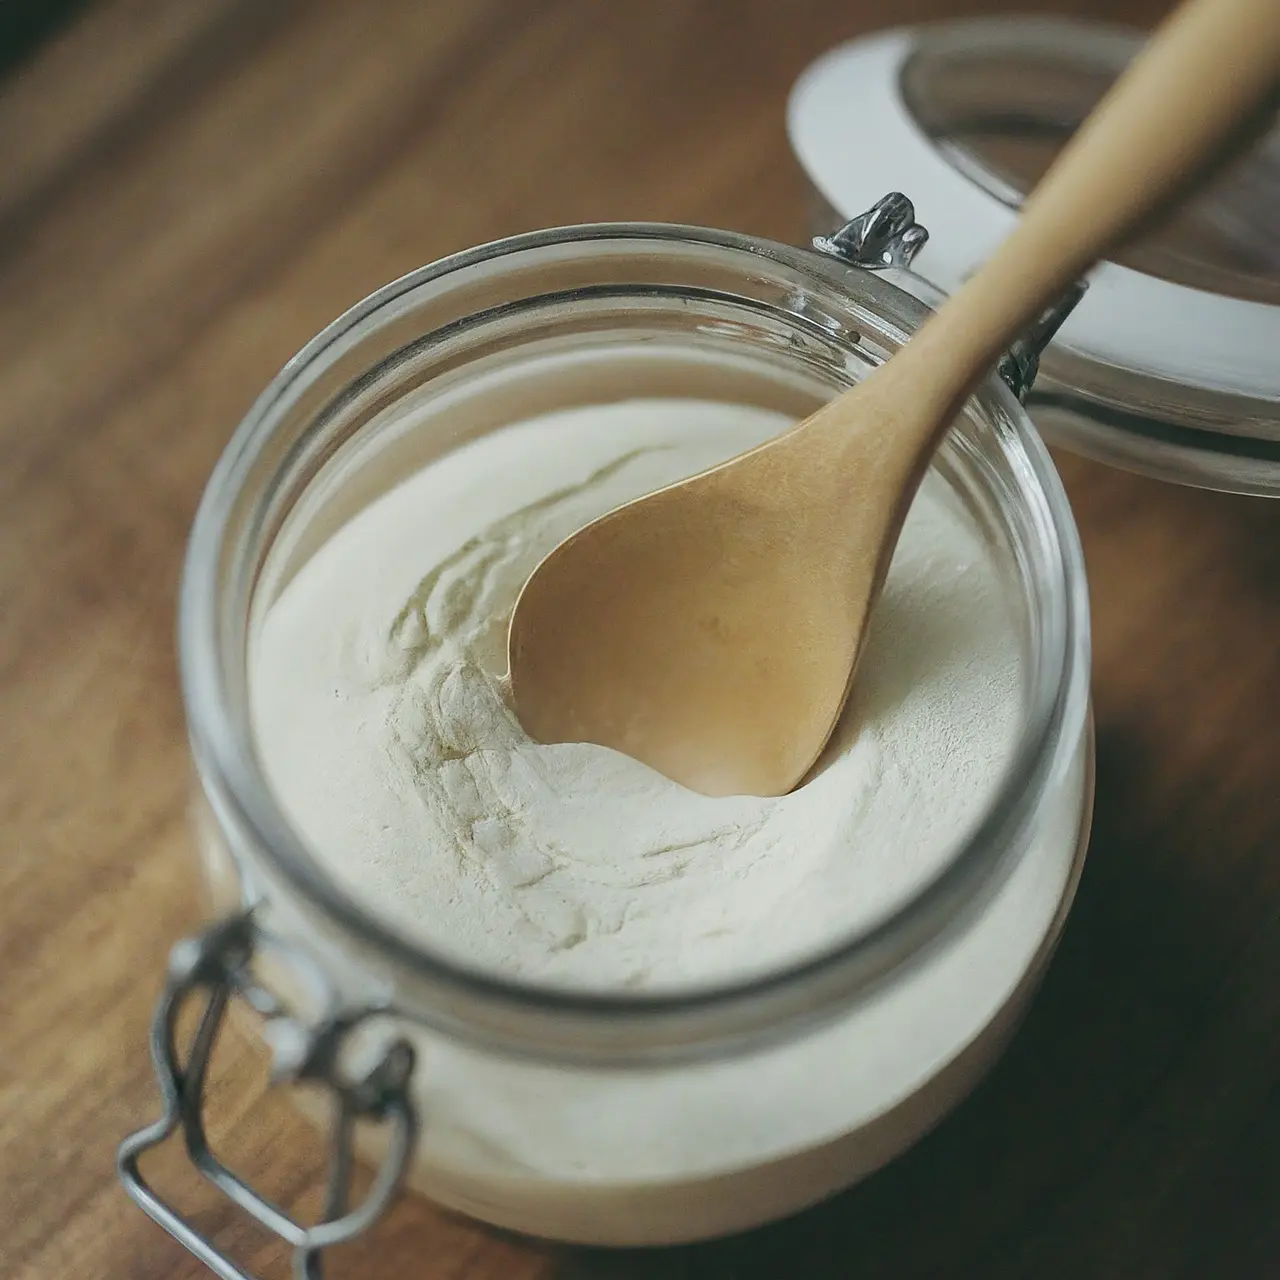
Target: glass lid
(1170,364)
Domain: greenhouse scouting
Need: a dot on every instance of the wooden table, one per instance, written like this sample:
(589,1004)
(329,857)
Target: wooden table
(188,190)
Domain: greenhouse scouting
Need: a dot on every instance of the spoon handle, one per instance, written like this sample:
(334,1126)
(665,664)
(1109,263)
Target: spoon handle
(1206,71)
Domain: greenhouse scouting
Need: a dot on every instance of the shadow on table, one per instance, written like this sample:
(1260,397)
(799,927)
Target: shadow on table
(25,24)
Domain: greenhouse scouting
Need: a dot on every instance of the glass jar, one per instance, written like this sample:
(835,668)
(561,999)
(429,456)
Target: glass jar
(458,1080)
(1168,366)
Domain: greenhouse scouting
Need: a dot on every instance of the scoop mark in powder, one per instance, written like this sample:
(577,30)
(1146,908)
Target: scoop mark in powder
(570,863)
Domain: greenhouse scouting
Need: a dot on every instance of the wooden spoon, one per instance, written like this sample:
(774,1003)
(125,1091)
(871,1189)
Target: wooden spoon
(712,629)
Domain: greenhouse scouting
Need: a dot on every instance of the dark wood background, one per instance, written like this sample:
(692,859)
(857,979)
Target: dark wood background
(191,188)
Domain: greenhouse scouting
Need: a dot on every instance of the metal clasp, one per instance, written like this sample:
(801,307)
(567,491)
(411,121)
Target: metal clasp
(888,235)
(1020,364)
(217,966)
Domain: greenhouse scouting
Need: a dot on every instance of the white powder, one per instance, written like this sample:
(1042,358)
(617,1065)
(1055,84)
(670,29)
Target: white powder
(384,726)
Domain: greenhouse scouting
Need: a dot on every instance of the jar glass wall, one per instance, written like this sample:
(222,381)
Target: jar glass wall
(797,1081)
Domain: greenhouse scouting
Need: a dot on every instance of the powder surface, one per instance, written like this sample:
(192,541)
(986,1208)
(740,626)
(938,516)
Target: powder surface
(384,726)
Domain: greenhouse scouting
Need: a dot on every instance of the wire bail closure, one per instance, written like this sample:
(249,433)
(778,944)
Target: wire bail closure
(216,965)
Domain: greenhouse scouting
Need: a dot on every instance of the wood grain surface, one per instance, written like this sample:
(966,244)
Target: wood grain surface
(191,188)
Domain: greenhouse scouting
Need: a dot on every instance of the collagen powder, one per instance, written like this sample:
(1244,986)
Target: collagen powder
(385,728)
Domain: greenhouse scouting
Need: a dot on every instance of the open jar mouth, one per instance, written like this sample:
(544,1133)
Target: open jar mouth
(818,319)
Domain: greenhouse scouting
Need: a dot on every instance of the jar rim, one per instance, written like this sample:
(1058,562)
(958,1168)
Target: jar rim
(526,1017)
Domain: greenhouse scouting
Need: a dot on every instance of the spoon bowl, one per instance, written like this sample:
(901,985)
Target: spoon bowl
(709,597)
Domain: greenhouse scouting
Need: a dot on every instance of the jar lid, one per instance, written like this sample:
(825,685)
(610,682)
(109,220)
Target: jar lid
(1170,364)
